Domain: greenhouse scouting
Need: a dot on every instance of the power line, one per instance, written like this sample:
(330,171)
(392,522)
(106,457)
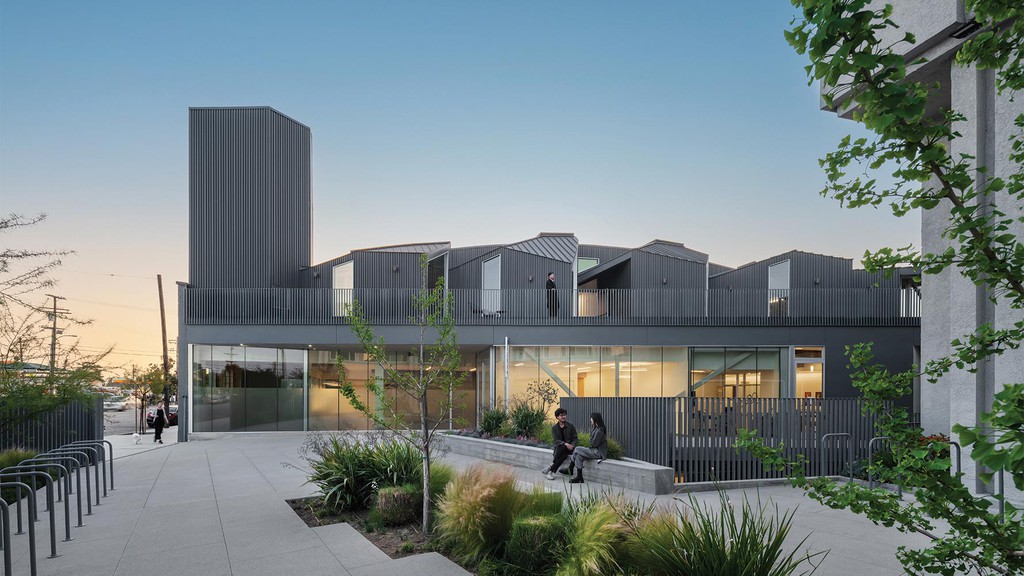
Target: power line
(112,304)
(109,274)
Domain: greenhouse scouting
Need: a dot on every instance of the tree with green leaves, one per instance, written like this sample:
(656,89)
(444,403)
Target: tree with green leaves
(433,384)
(909,164)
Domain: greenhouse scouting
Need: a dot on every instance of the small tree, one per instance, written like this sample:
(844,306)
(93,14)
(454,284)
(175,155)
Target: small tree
(436,360)
(24,271)
(847,56)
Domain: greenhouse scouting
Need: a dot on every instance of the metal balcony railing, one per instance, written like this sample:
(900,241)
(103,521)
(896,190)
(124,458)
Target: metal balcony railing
(536,307)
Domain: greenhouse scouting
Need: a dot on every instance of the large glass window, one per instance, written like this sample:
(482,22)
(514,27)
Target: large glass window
(585,371)
(490,299)
(645,372)
(778,289)
(586,263)
(343,283)
(202,388)
(810,371)
(737,372)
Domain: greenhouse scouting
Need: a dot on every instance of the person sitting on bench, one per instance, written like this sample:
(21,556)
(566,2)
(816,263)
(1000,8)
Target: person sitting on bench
(564,436)
(598,449)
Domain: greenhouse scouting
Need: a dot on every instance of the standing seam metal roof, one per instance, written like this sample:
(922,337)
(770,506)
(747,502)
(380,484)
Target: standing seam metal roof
(561,247)
(674,250)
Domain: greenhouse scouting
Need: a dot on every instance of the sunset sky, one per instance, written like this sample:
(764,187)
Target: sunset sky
(469,121)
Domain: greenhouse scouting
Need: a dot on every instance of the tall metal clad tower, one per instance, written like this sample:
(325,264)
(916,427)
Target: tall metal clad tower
(250,214)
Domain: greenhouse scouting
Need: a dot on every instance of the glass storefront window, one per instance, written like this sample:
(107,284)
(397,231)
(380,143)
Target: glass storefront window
(738,372)
(585,371)
(615,377)
(675,372)
(645,372)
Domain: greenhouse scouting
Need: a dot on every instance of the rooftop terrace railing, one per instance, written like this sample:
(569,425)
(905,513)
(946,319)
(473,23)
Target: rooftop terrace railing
(536,307)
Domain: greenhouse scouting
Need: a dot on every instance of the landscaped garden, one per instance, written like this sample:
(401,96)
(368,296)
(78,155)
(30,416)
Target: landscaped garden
(489,524)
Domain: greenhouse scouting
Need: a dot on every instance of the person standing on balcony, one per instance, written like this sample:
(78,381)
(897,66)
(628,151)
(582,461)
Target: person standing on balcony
(564,437)
(552,295)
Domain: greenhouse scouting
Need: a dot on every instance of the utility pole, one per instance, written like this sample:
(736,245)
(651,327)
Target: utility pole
(53,332)
(163,340)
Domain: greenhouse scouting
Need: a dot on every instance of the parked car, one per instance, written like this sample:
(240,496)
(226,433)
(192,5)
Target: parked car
(111,402)
(172,415)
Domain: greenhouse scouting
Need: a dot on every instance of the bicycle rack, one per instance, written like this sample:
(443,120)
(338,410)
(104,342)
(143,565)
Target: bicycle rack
(44,467)
(109,457)
(67,485)
(31,524)
(32,508)
(849,451)
(84,468)
(93,457)
(871,455)
(5,536)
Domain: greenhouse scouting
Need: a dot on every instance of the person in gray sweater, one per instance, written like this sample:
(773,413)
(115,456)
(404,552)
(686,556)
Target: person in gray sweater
(598,449)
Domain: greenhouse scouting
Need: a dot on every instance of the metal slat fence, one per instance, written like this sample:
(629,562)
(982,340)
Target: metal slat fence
(530,307)
(697,436)
(73,422)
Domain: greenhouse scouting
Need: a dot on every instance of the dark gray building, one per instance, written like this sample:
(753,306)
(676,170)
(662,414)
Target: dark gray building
(260,328)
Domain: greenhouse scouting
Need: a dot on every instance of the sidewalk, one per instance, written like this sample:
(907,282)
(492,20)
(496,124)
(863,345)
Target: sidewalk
(216,506)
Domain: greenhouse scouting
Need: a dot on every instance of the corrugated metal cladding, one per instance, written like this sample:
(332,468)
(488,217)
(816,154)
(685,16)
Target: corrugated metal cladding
(516,269)
(806,271)
(374,269)
(551,246)
(718,268)
(663,248)
(459,256)
(602,253)
(656,271)
(250,217)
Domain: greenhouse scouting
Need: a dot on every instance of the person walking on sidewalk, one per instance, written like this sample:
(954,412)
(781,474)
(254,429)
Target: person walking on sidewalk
(564,437)
(159,421)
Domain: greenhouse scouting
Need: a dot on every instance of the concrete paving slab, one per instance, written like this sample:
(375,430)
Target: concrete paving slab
(349,546)
(314,562)
(202,559)
(429,564)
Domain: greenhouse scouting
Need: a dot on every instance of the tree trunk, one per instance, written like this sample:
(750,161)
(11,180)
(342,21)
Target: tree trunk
(425,450)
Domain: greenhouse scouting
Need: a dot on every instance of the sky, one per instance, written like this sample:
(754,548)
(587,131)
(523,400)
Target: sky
(475,122)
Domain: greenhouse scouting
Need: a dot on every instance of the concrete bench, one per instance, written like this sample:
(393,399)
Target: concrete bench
(628,474)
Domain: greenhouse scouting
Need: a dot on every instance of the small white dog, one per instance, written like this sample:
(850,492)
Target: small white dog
(138,439)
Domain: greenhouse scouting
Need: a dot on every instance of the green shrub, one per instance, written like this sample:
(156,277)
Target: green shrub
(13,457)
(720,542)
(440,476)
(491,421)
(348,469)
(543,503)
(534,543)
(526,420)
(615,450)
(397,505)
(545,435)
(477,511)
(595,532)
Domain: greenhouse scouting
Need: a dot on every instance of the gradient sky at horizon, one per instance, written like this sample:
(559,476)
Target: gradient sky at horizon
(474,122)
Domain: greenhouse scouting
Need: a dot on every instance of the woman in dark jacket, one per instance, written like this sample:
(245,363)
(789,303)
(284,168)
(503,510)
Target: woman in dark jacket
(159,421)
(598,447)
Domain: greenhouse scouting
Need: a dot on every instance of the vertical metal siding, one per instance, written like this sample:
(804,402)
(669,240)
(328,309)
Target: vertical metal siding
(75,421)
(250,212)
(602,253)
